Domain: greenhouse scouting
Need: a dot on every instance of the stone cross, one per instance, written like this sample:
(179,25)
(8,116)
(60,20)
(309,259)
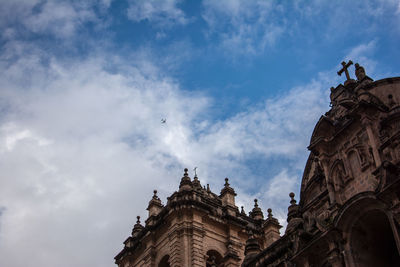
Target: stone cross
(344,69)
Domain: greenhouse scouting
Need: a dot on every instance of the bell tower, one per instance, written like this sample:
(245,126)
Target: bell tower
(197,227)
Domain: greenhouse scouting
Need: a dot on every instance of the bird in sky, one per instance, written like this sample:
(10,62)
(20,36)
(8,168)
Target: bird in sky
(163,120)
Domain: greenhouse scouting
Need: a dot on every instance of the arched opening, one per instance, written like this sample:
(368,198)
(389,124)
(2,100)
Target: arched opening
(164,262)
(214,259)
(372,241)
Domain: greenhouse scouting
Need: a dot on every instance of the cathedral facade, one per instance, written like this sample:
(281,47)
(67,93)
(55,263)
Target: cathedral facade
(348,213)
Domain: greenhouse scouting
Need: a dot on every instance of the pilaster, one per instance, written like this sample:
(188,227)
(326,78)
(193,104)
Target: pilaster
(197,249)
(175,246)
(367,123)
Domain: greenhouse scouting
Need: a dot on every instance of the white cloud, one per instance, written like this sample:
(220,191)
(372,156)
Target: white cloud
(161,13)
(253,27)
(362,54)
(81,150)
(244,27)
(61,19)
(272,128)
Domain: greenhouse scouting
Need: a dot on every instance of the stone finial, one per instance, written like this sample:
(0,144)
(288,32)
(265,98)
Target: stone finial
(269,213)
(294,218)
(228,194)
(226,182)
(270,219)
(227,188)
(155,195)
(208,188)
(137,228)
(257,213)
(242,210)
(271,228)
(292,200)
(155,204)
(186,183)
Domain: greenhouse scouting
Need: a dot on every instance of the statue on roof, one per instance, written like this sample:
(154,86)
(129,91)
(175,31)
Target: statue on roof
(360,72)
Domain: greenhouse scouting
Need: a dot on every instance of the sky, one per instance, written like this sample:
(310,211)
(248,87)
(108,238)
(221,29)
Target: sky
(84,86)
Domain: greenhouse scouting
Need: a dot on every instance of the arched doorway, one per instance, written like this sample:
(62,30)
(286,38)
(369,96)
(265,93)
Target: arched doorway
(214,259)
(372,241)
(164,262)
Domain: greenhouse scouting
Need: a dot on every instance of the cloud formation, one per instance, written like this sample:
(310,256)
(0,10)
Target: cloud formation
(250,26)
(161,13)
(81,149)
(60,19)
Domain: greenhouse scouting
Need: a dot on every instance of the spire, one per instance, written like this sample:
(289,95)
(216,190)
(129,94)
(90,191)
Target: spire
(137,228)
(257,213)
(186,183)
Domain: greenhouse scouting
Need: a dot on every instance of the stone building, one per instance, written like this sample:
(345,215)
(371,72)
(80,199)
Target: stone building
(197,228)
(349,208)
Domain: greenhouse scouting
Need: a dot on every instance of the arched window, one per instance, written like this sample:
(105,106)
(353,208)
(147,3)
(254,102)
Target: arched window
(214,259)
(164,262)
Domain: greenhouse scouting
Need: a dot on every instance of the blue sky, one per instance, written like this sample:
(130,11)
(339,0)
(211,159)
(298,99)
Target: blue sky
(84,86)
